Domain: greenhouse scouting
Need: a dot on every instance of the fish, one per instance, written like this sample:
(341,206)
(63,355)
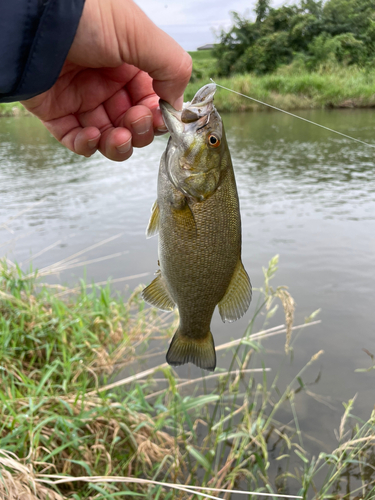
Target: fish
(197,217)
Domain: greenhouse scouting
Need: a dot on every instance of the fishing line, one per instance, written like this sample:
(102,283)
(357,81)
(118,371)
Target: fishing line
(294,116)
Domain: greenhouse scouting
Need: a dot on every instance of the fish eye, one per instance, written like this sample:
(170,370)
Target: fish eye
(213,141)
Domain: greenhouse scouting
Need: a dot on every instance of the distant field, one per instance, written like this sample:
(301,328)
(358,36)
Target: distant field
(204,65)
(199,55)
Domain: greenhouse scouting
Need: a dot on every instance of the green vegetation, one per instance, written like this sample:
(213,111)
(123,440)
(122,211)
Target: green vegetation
(314,32)
(204,65)
(293,87)
(66,433)
(12,109)
(310,55)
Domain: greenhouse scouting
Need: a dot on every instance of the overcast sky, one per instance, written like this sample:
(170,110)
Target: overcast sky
(193,22)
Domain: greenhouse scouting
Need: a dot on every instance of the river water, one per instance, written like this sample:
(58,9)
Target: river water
(306,194)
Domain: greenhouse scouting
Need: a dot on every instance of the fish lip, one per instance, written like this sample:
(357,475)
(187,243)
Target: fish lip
(203,97)
(171,117)
(201,105)
(168,108)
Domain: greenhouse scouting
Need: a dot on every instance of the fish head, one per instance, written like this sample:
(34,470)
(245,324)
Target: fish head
(197,148)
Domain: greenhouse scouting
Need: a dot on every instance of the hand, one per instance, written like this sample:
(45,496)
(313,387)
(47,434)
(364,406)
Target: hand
(107,94)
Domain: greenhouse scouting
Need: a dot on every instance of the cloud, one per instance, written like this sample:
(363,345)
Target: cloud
(192,23)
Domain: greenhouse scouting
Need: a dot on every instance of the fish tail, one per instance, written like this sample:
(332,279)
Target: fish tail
(184,349)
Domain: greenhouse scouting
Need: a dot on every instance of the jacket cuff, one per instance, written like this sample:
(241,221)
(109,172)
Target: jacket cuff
(53,39)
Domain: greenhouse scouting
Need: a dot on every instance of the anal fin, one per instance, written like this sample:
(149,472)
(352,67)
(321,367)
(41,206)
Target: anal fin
(153,224)
(237,298)
(156,294)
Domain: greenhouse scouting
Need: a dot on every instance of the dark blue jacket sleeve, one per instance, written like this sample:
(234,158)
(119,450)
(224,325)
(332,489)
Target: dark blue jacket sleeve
(35,38)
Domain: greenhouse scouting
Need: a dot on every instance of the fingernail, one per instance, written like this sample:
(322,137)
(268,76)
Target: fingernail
(93,143)
(142,125)
(178,103)
(162,129)
(124,148)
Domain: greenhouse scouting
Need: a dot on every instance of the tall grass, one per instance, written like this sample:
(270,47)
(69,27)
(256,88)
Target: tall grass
(290,87)
(67,432)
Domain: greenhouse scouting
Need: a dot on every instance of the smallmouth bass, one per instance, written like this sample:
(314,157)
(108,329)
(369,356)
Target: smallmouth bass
(197,217)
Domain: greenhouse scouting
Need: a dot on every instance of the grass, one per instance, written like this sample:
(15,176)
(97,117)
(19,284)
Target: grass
(12,109)
(67,431)
(291,87)
(204,65)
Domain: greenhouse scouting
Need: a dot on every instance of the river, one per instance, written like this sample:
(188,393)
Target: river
(305,193)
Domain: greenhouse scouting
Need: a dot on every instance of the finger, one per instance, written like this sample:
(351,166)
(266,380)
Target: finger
(141,91)
(117,105)
(116,144)
(161,128)
(67,130)
(138,91)
(84,142)
(160,56)
(139,120)
(96,117)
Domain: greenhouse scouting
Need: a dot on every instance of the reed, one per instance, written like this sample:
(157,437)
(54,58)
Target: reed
(68,430)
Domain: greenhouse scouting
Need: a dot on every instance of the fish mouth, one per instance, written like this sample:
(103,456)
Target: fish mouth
(193,115)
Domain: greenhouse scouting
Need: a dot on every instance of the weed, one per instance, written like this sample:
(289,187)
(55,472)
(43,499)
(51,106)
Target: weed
(68,431)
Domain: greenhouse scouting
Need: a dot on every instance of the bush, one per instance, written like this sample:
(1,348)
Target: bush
(338,30)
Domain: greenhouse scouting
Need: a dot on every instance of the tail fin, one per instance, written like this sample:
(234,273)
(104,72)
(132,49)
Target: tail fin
(184,349)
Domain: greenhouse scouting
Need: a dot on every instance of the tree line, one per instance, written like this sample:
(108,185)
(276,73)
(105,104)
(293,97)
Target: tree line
(313,32)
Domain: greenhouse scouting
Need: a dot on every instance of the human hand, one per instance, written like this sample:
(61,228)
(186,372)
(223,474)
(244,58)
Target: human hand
(107,94)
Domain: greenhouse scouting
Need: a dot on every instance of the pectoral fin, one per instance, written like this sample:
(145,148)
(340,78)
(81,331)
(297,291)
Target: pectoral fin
(237,298)
(156,294)
(153,225)
(184,221)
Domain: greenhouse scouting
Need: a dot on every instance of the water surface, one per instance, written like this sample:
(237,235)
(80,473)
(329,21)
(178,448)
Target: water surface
(306,194)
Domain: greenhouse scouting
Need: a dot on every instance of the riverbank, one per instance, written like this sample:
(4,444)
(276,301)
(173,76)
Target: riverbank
(290,88)
(67,432)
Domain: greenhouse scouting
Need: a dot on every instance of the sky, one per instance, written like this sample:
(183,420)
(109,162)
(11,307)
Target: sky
(192,23)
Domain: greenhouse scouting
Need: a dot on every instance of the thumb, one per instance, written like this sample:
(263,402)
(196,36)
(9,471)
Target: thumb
(150,49)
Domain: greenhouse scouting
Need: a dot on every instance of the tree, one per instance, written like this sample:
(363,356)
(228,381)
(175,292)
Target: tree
(316,31)
(261,9)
